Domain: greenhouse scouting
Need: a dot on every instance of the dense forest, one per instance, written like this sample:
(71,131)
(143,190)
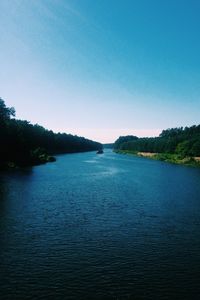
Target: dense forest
(22,143)
(182,142)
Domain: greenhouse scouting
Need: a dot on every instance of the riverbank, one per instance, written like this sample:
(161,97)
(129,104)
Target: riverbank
(172,158)
(37,158)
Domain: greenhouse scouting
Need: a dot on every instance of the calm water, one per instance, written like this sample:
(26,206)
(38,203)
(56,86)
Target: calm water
(100,227)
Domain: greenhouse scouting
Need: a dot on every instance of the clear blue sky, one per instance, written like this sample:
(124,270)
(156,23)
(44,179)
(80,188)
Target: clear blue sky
(102,68)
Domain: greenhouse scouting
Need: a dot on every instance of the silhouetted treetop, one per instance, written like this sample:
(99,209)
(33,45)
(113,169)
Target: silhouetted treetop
(5,112)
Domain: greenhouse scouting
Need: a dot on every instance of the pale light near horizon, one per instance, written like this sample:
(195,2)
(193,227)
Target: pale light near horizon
(110,135)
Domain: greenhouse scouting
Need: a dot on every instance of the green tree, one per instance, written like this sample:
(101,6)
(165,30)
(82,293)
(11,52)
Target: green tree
(5,112)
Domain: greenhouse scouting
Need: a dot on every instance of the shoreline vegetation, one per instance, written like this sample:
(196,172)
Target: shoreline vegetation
(24,144)
(167,157)
(175,145)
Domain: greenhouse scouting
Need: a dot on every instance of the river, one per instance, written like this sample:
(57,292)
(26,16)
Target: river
(105,226)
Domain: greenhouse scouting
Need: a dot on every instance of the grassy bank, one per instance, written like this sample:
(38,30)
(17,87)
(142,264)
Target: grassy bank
(172,158)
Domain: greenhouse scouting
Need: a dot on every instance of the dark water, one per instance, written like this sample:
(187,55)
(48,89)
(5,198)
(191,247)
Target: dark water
(100,227)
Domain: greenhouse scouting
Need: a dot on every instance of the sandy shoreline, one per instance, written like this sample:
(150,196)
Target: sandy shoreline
(147,154)
(172,158)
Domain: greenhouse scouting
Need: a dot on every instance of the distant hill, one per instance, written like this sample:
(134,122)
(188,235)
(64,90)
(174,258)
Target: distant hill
(23,143)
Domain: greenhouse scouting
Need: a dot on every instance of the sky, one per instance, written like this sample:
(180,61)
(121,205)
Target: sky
(101,68)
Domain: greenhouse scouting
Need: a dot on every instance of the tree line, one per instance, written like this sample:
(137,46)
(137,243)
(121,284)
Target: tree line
(22,143)
(181,141)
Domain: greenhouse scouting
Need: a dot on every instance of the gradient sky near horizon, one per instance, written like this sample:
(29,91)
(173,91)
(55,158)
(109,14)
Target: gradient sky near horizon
(102,68)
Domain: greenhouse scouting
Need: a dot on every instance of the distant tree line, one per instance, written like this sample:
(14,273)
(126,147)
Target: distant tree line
(22,143)
(181,141)
(108,146)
